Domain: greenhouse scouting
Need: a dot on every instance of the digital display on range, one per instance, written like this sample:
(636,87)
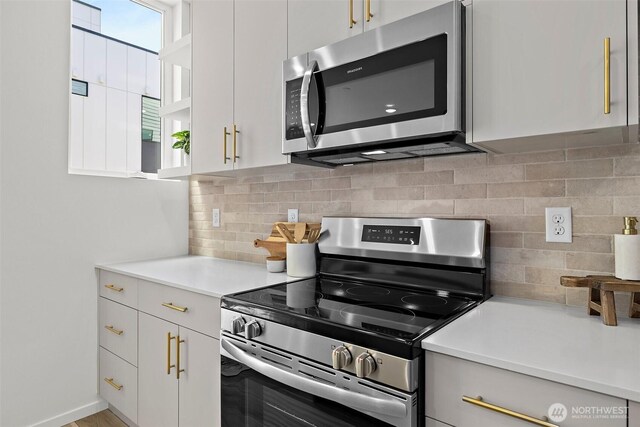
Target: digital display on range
(400,235)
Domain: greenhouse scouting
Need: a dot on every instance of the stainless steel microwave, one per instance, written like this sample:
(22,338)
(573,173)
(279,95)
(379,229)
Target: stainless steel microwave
(390,93)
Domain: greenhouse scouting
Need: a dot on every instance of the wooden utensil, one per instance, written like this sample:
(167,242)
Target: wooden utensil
(313,235)
(284,232)
(299,231)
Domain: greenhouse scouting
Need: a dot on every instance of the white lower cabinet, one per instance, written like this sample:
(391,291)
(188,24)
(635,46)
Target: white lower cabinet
(161,353)
(448,380)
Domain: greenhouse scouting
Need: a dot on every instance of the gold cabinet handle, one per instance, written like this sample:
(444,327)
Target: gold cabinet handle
(368,10)
(607,75)
(351,20)
(481,403)
(224,145)
(178,370)
(174,307)
(113,384)
(114,287)
(235,143)
(110,328)
(169,365)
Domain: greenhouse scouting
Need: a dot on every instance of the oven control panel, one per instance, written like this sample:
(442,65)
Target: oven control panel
(401,235)
(292,118)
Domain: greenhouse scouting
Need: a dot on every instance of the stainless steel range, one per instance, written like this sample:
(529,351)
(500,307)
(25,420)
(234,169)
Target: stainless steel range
(343,348)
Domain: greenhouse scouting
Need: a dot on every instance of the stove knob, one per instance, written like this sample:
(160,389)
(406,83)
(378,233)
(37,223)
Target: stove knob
(340,357)
(237,325)
(252,329)
(365,365)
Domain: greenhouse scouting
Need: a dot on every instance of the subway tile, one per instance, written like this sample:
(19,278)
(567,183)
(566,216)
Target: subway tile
(398,193)
(555,294)
(440,163)
(374,181)
(331,183)
(237,188)
(425,178)
(313,196)
(303,207)
(455,191)
(601,244)
(627,166)
(602,263)
(577,297)
(549,276)
(399,166)
(505,239)
(352,195)
(425,207)
(517,223)
(526,189)
(628,186)
(506,272)
(521,158)
(312,173)
(294,185)
(530,257)
(579,205)
(263,187)
(332,208)
(597,224)
(606,151)
(577,169)
(626,206)
(267,208)
(280,197)
(372,207)
(591,187)
(503,173)
(490,206)
(244,198)
(358,169)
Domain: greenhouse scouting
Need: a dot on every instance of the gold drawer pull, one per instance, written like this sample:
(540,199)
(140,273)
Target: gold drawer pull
(607,75)
(113,384)
(114,287)
(169,365)
(110,328)
(479,402)
(174,307)
(178,370)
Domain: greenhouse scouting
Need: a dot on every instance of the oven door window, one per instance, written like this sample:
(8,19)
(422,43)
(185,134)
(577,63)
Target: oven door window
(405,83)
(250,399)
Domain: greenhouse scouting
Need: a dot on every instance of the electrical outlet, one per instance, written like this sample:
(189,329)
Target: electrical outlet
(558,225)
(215,218)
(292,215)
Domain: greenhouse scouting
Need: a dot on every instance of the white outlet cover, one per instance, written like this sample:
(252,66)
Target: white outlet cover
(292,215)
(215,217)
(558,225)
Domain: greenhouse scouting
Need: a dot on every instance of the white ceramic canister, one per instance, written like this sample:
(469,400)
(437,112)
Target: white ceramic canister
(301,259)
(627,251)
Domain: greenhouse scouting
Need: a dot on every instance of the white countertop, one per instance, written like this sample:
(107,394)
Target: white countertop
(550,341)
(210,276)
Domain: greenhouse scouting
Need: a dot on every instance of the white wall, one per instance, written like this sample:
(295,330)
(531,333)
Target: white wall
(54,226)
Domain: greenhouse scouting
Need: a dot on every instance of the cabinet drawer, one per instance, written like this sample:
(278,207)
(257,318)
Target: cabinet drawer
(119,384)
(119,288)
(119,330)
(202,312)
(448,379)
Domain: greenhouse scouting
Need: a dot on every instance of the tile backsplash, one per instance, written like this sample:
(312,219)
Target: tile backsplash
(601,184)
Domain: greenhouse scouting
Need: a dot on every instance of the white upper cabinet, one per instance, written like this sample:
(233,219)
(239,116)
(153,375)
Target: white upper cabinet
(116,131)
(260,38)
(315,23)
(95,58)
(77,54)
(152,87)
(539,68)
(381,12)
(116,65)
(212,84)
(136,70)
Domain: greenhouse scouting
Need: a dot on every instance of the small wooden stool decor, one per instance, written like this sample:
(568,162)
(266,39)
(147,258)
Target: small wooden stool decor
(600,300)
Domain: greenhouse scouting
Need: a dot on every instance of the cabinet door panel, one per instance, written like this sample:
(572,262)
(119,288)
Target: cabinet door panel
(77,54)
(538,67)
(200,382)
(386,11)
(134,132)
(76,132)
(116,65)
(153,75)
(260,38)
(95,58)
(212,82)
(158,392)
(136,70)
(316,23)
(95,129)
(116,147)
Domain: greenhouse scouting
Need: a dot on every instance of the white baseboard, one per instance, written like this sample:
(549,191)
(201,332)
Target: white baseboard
(74,415)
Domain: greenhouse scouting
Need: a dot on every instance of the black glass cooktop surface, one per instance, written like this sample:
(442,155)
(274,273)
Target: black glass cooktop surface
(376,310)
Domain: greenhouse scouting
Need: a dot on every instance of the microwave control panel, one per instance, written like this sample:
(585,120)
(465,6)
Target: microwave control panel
(293,119)
(402,235)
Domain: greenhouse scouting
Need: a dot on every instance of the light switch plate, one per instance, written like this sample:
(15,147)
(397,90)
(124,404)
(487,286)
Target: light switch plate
(558,225)
(215,217)
(292,215)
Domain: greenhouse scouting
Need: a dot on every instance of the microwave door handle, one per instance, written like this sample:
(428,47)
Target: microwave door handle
(348,398)
(312,139)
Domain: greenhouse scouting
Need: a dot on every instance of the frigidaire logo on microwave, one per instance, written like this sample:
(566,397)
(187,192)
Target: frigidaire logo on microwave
(354,70)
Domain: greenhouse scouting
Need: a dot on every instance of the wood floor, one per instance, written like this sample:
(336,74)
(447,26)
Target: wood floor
(105,418)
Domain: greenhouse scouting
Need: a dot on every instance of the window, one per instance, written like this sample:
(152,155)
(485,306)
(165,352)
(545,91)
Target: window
(115,88)
(78,87)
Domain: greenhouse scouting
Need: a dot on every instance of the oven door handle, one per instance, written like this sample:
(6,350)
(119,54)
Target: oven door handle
(348,398)
(309,134)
